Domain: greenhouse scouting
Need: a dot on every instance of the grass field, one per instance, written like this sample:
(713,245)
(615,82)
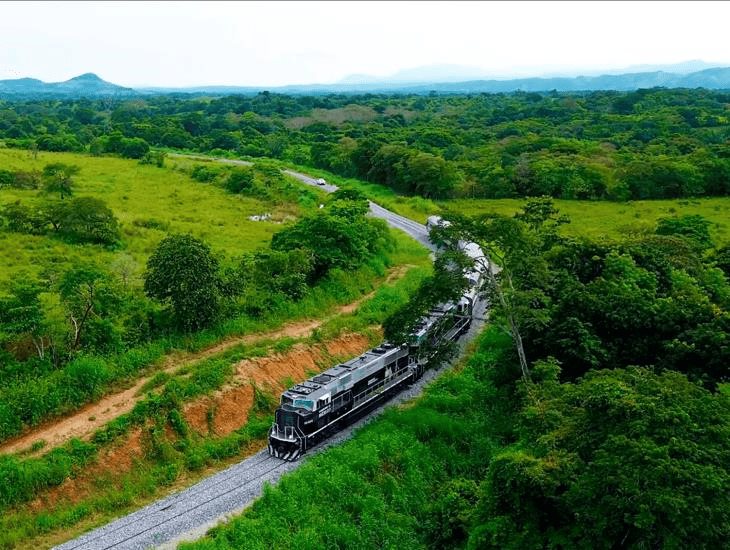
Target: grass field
(595,219)
(598,219)
(139,196)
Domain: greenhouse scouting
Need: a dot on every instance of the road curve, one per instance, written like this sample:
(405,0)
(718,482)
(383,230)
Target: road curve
(414,229)
(188,514)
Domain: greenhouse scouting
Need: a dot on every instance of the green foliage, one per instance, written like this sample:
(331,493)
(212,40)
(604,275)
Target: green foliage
(204,173)
(134,148)
(58,178)
(21,219)
(23,478)
(722,260)
(91,299)
(336,237)
(78,220)
(601,145)
(278,272)
(85,219)
(183,271)
(240,180)
(18,179)
(692,227)
(22,315)
(154,158)
(622,455)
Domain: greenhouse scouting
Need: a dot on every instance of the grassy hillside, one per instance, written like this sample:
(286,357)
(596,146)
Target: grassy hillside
(594,219)
(149,203)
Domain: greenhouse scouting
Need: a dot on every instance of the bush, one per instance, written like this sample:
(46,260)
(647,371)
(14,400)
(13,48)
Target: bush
(204,174)
(154,158)
(134,148)
(239,180)
(87,377)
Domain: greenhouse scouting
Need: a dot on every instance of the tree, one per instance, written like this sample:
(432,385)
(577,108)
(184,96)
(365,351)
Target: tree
(693,227)
(430,176)
(183,271)
(722,259)
(622,458)
(21,219)
(58,178)
(334,240)
(240,180)
(91,299)
(514,264)
(84,219)
(134,148)
(22,314)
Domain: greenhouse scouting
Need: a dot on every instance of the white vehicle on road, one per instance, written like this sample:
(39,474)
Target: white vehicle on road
(321,181)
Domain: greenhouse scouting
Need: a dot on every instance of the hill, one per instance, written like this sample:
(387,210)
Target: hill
(85,85)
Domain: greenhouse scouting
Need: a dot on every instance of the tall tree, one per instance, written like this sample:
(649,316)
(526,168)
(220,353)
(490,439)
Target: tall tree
(183,271)
(89,295)
(58,178)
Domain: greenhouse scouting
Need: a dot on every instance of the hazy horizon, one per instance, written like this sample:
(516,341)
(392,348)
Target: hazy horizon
(185,44)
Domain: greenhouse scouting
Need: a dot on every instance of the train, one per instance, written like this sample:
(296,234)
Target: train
(318,407)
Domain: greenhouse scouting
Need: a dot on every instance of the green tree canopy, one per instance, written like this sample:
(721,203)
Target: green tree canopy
(58,178)
(622,458)
(183,271)
(85,219)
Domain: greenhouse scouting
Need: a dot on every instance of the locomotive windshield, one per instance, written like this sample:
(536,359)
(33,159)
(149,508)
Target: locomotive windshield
(304,404)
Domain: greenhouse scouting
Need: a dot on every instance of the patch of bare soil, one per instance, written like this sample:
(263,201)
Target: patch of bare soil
(227,409)
(87,420)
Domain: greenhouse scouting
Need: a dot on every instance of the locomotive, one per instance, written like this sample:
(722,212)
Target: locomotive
(321,405)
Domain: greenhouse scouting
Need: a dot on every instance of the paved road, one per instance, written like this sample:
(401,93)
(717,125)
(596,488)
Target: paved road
(188,514)
(414,229)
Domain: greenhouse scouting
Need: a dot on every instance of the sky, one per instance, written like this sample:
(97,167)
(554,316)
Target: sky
(278,43)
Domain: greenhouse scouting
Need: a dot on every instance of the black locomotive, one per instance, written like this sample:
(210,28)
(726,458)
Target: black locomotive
(323,404)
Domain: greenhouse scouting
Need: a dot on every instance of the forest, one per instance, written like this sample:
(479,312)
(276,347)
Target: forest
(646,144)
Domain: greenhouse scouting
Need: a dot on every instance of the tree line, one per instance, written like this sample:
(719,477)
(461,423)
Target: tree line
(645,144)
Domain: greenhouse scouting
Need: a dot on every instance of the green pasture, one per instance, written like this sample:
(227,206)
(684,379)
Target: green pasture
(597,219)
(594,219)
(149,202)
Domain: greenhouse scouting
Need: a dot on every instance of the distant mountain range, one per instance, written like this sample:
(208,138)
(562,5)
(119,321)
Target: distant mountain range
(85,85)
(440,79)
(467,73)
